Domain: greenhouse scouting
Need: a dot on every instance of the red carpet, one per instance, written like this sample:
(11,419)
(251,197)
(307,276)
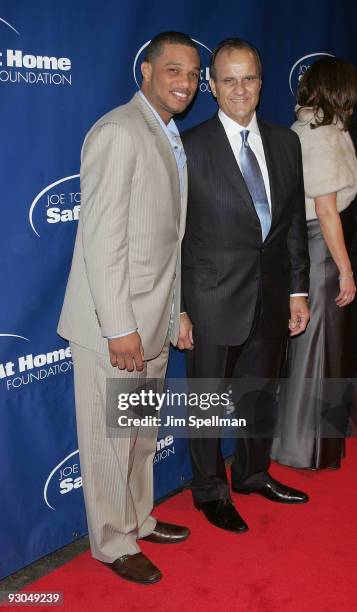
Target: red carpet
(298,559)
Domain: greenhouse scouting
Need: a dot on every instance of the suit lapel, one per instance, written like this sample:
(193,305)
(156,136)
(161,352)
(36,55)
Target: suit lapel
(183,210)
(268,146)
(223,155)
(164,148)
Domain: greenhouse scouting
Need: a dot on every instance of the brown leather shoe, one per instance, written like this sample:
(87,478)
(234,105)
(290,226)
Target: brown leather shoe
(166,533)
(136,568)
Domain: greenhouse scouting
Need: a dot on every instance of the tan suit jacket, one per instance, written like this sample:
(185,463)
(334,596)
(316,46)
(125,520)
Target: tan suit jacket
(126,265)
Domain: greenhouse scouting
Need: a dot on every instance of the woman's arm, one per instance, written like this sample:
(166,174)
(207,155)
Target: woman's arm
(331,227)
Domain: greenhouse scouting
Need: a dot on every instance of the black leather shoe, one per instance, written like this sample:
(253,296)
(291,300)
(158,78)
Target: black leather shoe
(166,533)
(277,492)
(136,568)
(222,513)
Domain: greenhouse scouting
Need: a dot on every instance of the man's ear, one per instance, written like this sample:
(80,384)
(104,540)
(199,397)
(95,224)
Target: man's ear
(146,70)
(212,85)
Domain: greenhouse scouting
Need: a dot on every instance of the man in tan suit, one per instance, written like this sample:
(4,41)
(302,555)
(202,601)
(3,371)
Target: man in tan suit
(122,303)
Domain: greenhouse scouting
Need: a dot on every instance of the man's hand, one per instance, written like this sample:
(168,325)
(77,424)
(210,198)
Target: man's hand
(299,315)
(185,340)
(127,352)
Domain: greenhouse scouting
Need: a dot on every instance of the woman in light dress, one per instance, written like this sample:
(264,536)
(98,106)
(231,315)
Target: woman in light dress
(313,409)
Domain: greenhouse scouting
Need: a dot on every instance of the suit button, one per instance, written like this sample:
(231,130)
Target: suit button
(262,249)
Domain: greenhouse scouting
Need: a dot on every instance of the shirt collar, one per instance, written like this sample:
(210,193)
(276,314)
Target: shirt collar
(170,129)
(232,127)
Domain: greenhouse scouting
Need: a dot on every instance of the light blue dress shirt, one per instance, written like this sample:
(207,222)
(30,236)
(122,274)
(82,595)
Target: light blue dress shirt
(173,136)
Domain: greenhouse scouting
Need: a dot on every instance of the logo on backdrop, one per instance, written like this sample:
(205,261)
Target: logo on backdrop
(8,25)
(164,448)
(205,53)
(22,66)
(300,67)
(56,204)
(30,368)
(64,478)
(14,336)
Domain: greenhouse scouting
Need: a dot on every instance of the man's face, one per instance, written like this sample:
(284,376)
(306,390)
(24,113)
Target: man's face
(237,84)
(171,80)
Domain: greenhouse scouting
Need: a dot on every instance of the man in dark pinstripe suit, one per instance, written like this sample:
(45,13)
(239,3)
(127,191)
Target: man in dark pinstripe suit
(237,279)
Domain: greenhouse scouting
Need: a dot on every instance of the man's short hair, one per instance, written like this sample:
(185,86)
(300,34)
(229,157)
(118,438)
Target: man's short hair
(155,46)
(234,43)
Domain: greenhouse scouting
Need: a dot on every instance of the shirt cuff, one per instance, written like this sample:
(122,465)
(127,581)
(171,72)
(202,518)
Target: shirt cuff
(299,295)
(126,333)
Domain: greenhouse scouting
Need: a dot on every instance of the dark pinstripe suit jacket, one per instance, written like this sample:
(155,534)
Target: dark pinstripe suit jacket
(225,263)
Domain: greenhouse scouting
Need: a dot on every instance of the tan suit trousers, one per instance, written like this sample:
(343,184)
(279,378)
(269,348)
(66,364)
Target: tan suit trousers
(117,472)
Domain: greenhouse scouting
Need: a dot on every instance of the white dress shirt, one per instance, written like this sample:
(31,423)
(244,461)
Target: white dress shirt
(233,130)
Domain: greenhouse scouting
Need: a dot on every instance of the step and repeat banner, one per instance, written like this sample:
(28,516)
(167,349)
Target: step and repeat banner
(61,67)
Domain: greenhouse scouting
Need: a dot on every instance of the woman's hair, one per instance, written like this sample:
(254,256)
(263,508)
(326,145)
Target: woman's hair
(330,86)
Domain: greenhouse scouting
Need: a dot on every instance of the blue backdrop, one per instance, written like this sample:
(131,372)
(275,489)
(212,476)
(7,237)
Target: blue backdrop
(60,69)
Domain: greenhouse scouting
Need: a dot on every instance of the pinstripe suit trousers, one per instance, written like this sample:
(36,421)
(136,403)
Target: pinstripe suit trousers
(117,472)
